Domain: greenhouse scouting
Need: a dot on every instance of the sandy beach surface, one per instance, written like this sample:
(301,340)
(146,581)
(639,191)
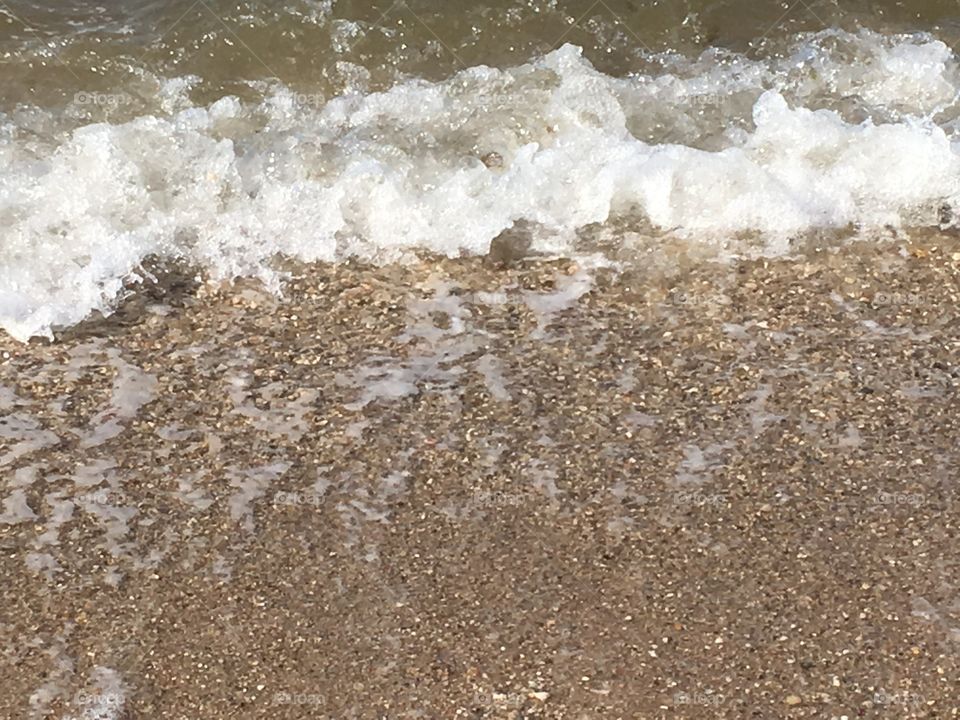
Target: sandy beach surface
(465,488)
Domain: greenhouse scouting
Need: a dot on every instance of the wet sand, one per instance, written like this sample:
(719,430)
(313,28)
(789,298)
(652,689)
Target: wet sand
(467,490)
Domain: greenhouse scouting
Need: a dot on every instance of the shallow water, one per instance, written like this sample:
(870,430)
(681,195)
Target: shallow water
(192,487)
(300,42)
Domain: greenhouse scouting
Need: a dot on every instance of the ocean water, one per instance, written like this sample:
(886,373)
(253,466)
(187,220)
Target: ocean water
(229,137)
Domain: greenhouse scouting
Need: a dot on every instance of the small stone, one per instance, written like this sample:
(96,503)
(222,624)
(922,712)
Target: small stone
(793,700)
(492,160)
(540,695)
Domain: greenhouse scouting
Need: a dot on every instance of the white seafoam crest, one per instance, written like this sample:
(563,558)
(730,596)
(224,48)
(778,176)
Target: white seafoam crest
(228,187)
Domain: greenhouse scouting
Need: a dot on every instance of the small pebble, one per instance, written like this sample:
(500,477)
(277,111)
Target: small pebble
(492,160)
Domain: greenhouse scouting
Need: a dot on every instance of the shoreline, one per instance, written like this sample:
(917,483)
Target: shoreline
(477,491)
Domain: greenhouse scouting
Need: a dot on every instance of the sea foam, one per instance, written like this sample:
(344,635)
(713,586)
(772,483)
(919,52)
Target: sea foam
(846,130)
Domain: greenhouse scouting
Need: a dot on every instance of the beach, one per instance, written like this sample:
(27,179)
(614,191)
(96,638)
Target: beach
(481,489)
(407,360)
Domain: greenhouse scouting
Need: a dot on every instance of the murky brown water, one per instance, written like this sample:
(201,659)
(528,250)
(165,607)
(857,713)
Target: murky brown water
(54,49)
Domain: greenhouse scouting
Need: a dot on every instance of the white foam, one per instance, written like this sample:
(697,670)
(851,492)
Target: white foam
(42,563)
(568,290)
(16,509)
(283,417)
(188,493)
(94,473)
(61,512)
(760,418)
(543,478)
(917,74)
(707,148)
(132,389)
(432,349)
(491,368)
(28,434)
(105,700)
(698,464)
(59,674)
(251,485)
